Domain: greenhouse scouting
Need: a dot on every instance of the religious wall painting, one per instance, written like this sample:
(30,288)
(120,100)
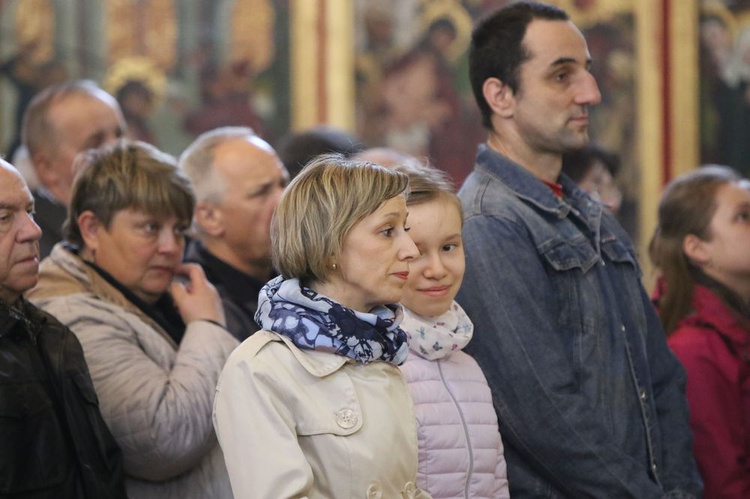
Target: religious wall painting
(28,63)
(724,93)
(229,69)
(177,68)
(413,92)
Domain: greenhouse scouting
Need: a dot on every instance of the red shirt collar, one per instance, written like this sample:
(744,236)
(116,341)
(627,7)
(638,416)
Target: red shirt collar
(557,188)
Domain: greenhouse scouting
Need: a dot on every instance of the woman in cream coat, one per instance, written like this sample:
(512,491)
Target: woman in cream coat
(154,356)
(314,405)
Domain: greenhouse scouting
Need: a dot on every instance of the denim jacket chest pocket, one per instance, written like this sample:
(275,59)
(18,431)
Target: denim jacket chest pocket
(617,252)
(563,254)
(571,249)
(578,275)
(574,268)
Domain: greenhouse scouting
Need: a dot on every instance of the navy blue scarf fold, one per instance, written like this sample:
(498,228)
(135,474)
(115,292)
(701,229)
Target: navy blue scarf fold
(315,322)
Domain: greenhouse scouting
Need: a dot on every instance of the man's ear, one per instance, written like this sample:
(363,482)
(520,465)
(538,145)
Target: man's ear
(89,227)
(499,97)
(696,251)
(209,218)
(45,169)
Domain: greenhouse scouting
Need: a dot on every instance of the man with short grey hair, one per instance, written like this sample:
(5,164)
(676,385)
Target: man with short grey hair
(238,179)
(60,122)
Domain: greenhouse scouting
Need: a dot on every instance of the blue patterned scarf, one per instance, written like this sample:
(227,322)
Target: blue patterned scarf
(315,322)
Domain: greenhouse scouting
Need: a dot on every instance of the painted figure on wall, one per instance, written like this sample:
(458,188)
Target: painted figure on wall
(220,61)
(138,85)
(413,92)
(725,84)
(32,64)
(231,66)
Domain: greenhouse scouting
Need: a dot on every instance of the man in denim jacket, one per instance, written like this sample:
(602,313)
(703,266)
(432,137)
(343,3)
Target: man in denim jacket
(590,400)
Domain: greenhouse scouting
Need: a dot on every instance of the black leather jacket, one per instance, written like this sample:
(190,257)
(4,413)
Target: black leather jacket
(238,291)
(53,440)
(50,214)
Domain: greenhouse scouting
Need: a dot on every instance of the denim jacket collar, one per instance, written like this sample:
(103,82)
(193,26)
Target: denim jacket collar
(532,190)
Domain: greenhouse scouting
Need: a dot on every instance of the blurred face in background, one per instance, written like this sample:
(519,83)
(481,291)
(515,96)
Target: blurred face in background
(253,179)
(81,121)
(602,186)
(724,255)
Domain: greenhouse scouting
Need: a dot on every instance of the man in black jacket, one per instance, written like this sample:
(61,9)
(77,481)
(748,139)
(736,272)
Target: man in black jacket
(238,180)
(55,443)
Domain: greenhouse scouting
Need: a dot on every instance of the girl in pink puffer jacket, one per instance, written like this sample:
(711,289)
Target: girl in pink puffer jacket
(460,449)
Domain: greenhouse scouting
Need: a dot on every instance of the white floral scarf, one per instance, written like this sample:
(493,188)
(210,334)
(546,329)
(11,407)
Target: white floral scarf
(433,338)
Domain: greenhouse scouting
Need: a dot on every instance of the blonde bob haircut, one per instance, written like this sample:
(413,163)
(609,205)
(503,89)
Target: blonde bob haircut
(319,208)
(127,175)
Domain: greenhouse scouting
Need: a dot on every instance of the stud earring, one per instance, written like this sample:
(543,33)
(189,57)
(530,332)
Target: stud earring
(334,266)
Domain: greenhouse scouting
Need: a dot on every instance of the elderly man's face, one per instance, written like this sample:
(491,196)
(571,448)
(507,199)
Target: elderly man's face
(254,178)
(19,236)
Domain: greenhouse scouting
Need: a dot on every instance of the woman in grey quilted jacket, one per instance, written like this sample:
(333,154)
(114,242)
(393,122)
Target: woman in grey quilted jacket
(152,328)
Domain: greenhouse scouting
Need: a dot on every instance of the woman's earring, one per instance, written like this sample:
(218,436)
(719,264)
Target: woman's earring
(334,266)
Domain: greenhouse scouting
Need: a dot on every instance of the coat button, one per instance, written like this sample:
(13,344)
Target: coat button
(410,491)
(374,491)
(346,418)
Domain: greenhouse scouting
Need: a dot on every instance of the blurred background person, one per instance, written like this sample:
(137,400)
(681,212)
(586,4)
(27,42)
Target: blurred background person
(452,400)
(595,169)
(60,122)
(296,149)
(238,179)
(152,328)
(385,156)
(701,248)
(318,388)
(54,440)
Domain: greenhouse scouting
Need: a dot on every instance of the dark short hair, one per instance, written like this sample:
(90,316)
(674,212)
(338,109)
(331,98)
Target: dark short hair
(296,149)
(497,50)
(125,175)
(576,164)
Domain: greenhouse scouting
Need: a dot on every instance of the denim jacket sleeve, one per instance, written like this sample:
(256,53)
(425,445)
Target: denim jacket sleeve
(543,414)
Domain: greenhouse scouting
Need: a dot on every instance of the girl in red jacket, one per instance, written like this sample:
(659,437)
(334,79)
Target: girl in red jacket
(702,247)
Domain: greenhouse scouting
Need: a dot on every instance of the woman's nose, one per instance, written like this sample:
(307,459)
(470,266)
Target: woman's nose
(408,249)
(169,241)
